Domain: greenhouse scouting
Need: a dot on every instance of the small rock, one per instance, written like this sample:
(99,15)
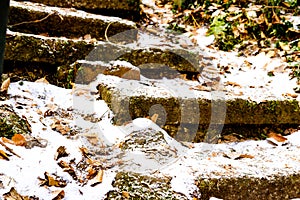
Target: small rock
(124,70)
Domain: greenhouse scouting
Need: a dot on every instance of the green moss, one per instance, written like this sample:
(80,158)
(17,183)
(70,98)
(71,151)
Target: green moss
(277,187)
(137,186)
(11,123)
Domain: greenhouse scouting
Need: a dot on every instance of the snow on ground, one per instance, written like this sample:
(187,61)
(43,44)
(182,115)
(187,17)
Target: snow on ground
(205,159)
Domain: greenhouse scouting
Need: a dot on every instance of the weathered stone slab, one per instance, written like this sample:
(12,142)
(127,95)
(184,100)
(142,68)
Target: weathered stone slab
(154,60)
(129,8)
(244,170)
(183,109)
(277,187)
(34,48)
(35,18)
(88,70)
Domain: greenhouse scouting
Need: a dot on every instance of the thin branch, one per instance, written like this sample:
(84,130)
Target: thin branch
(35,21)
(9,149)
(105,33)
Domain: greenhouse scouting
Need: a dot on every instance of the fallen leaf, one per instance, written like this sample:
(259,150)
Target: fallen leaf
(244,156)
(125,194)
(234,84)
(277,137)
(60,152)
(91,173)
(19,140)
(3,155)
(98,178)
(5,85)
(68,168)
(14,195)
(60,194)
(42,80)
(290,95)
(52,180)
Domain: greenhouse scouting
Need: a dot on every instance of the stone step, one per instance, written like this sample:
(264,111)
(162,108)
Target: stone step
(187,112)
(184,107)
(38,19)
(242,170)
(124,8)
(22,47)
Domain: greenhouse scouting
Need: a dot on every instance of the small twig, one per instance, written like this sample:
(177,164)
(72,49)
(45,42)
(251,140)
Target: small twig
(34,21)
(279,7)
(195,21)
(105,33)
(9,149)
(294,41)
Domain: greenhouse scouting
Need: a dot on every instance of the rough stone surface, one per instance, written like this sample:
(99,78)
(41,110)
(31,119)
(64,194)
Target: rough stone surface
(50,50)
(34,18)
(133,186)
(89,70)
(277,187)
(129,8)
(135,99)
(124,70)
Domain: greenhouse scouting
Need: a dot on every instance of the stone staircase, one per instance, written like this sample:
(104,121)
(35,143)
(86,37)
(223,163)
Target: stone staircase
(192,104)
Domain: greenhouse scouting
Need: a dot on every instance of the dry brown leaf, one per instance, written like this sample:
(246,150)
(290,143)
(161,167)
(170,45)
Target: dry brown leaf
(19,140)
(244,156)
(277,137)
(3,155)
(42,80)
(52,180)
(62,129)
(125,194)
(98,178)
(59,195)
(234,84)
(91,173)
(14,195)
(93,139)
(290,95)
(60,152)
(5,85)
(68,168)
(84,151)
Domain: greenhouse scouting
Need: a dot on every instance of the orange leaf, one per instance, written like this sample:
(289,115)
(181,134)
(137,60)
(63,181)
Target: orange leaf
(277,137)
(19,140)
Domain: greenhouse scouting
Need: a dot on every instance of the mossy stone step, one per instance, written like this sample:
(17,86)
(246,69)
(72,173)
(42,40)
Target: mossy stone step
(38,19)
(23,47)
(181,109)
(125,8)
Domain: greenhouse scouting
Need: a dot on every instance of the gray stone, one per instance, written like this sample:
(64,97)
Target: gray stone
(127,8)
(37,19)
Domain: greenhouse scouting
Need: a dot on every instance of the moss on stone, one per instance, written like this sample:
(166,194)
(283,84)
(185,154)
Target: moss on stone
(136,186)
(277,187)
(11,123)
